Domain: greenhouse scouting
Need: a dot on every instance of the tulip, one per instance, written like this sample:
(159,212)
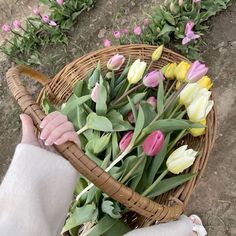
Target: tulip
(115,62)
(153,143)
(45,18)
(106,43)
(16,24)
(196,72)
(117,34)
(130,117)
(181,2)
(136,71)
(180,159)
(137,30)
(189,33)
(200,107)
(152,101)
(157,53)
(52,23)
(125,141)
(195,132)
(126,31)
(170,71)
(152,79)
(6,28)
(177,86)
(196,1)
(36,11)
(95,92)
(205,82)
(181,71)
(60,2)
(188,94)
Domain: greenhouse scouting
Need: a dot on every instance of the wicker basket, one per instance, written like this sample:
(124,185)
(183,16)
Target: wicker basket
(166,207)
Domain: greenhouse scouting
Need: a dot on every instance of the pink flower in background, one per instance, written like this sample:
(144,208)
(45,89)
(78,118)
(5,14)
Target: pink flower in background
(146,21)
(189,33)
(60,2)
(36,11)
(196,1)
(137,30)
(126,31)
(45,18)
(106,43)
(6,28)
(125,140)
(95,92)
(152,101)
(16,24)
(117,34)
(52,23)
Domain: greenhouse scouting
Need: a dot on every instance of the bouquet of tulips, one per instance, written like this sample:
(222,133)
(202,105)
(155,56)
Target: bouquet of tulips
(129,121)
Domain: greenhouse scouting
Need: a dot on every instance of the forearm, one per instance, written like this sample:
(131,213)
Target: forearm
(36,193)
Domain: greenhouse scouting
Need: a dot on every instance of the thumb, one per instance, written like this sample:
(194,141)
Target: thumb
(28,135)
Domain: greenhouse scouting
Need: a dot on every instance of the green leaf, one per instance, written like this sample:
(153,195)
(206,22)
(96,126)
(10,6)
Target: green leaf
(77,90)
(149,113)
(100,123)
(47,107)
(115,145)
(111,208)
(108,226)
(166,29)
(134,110)
(94,77)
(102,143)
(101,104)
(160,98)
(168,16)
(81,185)
(81,215)
(107,158)
(170,183)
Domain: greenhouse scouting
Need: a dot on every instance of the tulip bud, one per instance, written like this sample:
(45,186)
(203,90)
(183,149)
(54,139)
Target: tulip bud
(181,71)
(117,34)
(153,143)
(137,30)
(136,71)
(106,43)
(45,18)
(52,23)
(6,28)
(60,2)
(200,107)
(180,159)
(195,132)
(125,141)
(16,24)
(205,82)
(116,62)
(157,53)
(109,75)
(152,101)
(36,11)
(152,79)
(95,92)
(130,117)
(189,92)
(170,71)
(196,72)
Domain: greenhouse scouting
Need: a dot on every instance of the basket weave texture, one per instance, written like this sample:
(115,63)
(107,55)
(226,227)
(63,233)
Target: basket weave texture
(166,207)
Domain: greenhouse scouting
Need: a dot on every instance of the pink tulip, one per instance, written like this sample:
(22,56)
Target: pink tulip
(117,34)
(52,23)
(146,21)
(137,30)
(126,31)
(36,11)
(106,43)
(152,101)
(60,2)
(6,28)
(125,141)
(95,92)
(196,72)
(189,33)
(116,62)
(16,24)
(45,18)
(153,143)
(130,117)
(152,79)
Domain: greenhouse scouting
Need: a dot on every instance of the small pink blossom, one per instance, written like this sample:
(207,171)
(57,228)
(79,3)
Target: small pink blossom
(106,43)
(189,33)
(60,2)
(16,24)
(6,28)
(52,23)
(45,18)
(117,34)
(152,101)
(36,11)
(137,30)
(126,31)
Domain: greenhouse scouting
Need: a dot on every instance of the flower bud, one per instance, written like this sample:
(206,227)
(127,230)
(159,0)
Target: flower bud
(117,34)
(152,101)
(6,28)
(174,9)
(157,53)
(205,82)
(181,2)
(181,71)
(130,117)
(125,141)
(16,24)
(180,159)
(196,72)
(137,30)
(106,43)
(153,143)
(195,132)
(136,71)
(60,2)
(95,92)
(152,79)
(170,71)
(36,11)
(45,18)
(115,62)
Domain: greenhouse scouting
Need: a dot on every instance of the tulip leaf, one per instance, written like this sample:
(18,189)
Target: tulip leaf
(133,108)
(94,77)
(100,123)
(101,104)
(102,143)
(77,90)
(170,183)
(107,157)
(160,98)
(149,113)
(47,107)
(158,160)
(111,208)
(166,29)
(115,146)
(123,74)
(168,16)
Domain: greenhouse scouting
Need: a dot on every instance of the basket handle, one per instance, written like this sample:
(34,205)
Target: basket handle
(81,162)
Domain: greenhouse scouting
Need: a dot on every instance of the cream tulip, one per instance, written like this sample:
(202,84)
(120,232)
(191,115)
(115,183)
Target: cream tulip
(136,71)
(189,92)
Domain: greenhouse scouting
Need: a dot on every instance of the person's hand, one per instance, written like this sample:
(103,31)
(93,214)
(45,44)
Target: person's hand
(56,129)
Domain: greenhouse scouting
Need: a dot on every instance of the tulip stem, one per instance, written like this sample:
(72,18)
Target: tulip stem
(173,143)
(155,183)
(170,89)
(149,66)
(174,111)
(82,129)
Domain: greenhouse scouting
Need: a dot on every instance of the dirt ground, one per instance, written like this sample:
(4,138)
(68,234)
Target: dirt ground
(215,197)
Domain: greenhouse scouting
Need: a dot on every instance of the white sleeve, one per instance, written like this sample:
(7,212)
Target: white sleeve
(36,193)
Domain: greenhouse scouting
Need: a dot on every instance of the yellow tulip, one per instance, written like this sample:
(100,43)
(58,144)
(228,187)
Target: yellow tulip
(136,71)
(181,71)
(180,159)
(189,92)
(170,71)
(195,132)
(177,86)
(157,53)
(163,69)
(205,82)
